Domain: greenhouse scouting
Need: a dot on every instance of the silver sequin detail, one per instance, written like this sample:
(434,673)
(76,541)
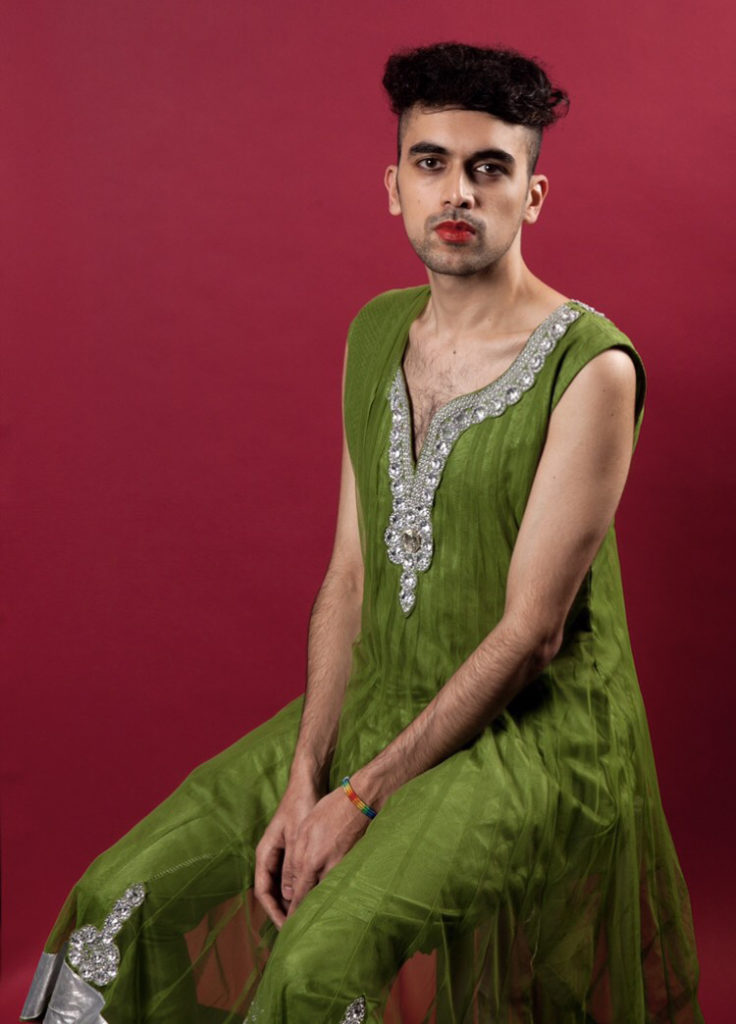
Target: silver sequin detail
(93,953)
(355,1013)
(408,536)
(254,1013)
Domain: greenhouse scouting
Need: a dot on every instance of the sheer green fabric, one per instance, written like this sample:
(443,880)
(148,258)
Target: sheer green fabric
(530,877)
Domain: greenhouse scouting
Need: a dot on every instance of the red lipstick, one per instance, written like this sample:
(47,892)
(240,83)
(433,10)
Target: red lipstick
(456,231)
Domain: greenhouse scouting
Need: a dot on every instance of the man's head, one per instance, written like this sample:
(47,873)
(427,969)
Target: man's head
(470,122)
(498,82)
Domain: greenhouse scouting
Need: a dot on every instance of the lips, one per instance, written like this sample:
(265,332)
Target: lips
(456,225)
(455,231)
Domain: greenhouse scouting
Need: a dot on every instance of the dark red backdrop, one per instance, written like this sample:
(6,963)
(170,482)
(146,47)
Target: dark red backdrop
(194,212)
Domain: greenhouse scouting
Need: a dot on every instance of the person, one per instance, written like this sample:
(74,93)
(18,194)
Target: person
(465,799)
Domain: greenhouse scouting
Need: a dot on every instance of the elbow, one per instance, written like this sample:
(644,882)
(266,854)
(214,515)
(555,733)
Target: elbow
(546,645)
(345,580)
(537,641)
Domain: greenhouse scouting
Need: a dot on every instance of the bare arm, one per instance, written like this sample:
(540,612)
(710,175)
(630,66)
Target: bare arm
(576,490)
(333,626)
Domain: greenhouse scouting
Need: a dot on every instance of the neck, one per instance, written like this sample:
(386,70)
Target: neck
(490,300)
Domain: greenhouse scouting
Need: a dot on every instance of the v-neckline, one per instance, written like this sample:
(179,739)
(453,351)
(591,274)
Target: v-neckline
(479,393)
(409,534)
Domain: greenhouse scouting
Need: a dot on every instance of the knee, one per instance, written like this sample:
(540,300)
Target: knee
(102,884)
(294,967)
(329,964)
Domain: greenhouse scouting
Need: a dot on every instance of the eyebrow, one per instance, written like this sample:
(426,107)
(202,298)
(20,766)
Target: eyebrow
(482,154)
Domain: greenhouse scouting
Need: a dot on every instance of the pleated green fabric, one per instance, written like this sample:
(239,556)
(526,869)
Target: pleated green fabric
(530,877)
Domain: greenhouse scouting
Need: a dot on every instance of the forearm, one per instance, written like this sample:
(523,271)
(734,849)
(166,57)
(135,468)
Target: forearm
(334,625)
(506,660)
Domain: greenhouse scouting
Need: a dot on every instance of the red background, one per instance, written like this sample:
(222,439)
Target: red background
(193,213)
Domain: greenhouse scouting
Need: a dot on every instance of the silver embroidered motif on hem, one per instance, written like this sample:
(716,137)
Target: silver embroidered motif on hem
(355,1013)
(408,536)
(93,953)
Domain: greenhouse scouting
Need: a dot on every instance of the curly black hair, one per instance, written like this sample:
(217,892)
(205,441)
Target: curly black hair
(500,82)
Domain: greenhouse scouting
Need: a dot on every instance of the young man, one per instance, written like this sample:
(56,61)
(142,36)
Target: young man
(470,774)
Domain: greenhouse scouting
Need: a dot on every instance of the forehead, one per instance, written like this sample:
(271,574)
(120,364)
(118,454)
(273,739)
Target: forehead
(462,132)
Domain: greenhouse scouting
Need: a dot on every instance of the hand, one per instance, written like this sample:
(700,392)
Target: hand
(322,840)
(275,846)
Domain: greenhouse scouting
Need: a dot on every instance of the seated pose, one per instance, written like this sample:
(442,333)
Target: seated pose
(460,821)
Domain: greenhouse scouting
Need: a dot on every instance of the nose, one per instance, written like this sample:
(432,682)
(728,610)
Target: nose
(459,189)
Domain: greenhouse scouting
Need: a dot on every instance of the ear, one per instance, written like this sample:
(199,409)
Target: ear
(538,189)
(391,181)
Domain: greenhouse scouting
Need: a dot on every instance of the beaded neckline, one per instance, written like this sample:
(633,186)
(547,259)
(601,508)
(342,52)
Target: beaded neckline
(408,536)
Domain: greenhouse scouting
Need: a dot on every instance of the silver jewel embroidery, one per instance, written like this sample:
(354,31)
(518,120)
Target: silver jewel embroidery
(254,1014)
(93,953)
(355,1013)
(408,536)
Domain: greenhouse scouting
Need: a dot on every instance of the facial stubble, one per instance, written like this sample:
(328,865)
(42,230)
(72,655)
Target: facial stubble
(476,258)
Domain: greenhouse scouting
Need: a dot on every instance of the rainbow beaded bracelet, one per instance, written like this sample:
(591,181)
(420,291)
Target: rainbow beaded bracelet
(360,804)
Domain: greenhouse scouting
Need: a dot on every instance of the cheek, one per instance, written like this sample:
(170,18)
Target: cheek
(510,207)
(415,210)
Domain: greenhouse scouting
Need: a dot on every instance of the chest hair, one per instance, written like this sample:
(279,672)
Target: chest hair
(436,373)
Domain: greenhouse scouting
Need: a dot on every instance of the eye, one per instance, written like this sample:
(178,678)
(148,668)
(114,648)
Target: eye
(428,163)
(491,170)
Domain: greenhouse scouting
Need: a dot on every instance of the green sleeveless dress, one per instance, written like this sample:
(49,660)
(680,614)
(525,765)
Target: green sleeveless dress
(529,877)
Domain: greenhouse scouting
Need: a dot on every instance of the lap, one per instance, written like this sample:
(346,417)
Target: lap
(446,849)
(455,850)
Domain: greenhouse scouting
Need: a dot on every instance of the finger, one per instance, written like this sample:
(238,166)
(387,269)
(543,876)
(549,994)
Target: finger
(267,898)
(268,860)
(272,908)
(295,845)
(302,885)
(266,882)
(289,872)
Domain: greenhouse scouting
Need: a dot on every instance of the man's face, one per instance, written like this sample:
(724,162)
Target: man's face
(463,188)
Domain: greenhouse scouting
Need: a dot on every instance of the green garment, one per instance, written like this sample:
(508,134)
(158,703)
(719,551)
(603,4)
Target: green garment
(529,877)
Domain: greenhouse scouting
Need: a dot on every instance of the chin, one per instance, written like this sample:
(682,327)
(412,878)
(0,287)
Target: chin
(458,271)
(455,268)
(454,264)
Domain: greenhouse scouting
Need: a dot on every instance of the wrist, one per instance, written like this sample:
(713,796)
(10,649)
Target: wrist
(308,773)
(359,804)
(371,786)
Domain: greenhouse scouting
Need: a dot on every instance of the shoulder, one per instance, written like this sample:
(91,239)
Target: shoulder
(390,304)
(593,333)
(605,351)
(375,334)
(578,334)
(596,328)
(607,379)
(377,328)
(612,365)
